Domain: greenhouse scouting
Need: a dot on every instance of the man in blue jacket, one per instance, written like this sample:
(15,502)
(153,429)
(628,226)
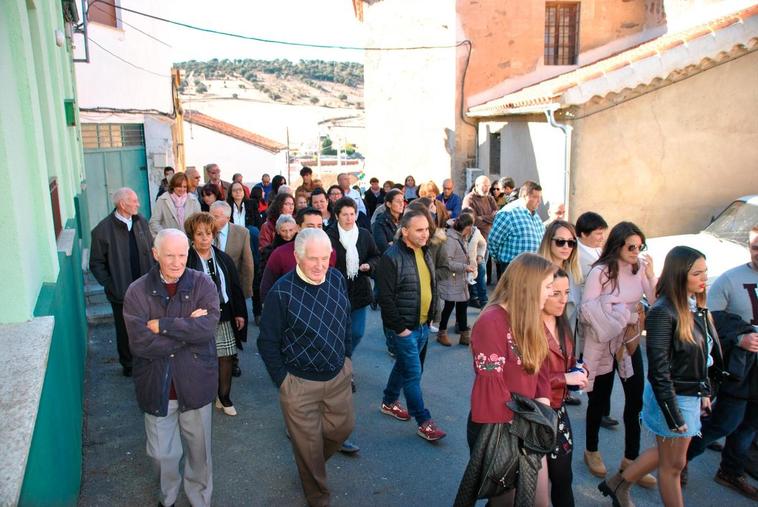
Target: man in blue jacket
(171,315)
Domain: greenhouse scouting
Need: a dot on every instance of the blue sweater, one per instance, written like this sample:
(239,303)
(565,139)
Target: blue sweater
(305,329)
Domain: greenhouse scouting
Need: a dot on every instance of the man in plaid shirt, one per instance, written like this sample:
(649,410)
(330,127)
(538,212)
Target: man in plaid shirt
(517,227)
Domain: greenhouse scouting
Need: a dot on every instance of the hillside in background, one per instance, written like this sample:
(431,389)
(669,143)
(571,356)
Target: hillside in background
(307,82)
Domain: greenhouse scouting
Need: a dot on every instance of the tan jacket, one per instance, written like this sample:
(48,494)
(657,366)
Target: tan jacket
(164,213)
(238,248)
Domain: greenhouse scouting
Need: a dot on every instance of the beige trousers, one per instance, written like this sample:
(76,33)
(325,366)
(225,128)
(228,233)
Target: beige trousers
(319,417)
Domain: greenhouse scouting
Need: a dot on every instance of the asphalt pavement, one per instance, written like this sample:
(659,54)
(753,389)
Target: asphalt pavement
(252,458)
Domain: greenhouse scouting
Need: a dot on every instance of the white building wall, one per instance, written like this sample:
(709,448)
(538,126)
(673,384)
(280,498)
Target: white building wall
(108,81)
(410,116)
(137,94)
(203,146)
(528,151)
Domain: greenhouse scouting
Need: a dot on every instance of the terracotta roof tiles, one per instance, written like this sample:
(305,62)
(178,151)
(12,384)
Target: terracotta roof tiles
(227,129)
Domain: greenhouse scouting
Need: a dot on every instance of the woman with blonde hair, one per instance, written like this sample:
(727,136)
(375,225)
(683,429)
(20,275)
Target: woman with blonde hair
(510,351)
(559,247)
(429,189)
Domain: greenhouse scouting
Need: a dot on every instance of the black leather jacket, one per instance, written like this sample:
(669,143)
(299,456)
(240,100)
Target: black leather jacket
(676,367)
(399,289)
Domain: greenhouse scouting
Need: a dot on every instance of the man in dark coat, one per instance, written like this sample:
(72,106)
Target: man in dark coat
(120,254)
(171,314)
(406,296)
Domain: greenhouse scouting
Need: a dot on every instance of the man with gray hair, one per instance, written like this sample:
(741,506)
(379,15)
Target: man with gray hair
(193,181)
(120,253)
(234,240)
(305,343)
(171,314)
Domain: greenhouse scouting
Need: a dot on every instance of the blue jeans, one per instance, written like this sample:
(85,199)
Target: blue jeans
(481,284)
(406,373)
(357,325)
(735,419)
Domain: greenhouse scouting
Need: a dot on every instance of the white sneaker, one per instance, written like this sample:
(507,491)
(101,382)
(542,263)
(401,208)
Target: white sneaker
(433,328)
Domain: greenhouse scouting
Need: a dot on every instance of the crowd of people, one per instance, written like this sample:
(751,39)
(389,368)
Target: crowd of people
(562,308)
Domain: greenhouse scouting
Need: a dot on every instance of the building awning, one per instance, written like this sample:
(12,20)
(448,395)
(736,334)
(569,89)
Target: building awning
(694,49)
(227,129)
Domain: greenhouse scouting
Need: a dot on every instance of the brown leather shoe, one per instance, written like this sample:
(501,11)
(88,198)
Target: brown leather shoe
(738,483)
(465,337)
(647,481)
(595,463)
(442,338)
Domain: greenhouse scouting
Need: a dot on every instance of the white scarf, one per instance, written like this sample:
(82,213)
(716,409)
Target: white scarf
(349,240)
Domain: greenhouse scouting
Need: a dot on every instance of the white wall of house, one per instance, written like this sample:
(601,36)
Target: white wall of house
(110,82)
(673,157)
(203,146)
(529,150)
(409,95)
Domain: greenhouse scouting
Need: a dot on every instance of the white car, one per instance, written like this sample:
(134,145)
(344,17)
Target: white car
(724,241)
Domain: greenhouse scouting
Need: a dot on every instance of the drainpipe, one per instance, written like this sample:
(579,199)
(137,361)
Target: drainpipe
(550,114)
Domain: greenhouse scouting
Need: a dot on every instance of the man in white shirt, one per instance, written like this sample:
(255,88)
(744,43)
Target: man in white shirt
(591,229)
(343,180)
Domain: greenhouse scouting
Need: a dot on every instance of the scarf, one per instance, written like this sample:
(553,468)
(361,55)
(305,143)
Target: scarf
(349,240)
(179,205)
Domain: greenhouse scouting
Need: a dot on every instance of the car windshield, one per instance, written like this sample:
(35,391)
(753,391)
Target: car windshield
(735,222)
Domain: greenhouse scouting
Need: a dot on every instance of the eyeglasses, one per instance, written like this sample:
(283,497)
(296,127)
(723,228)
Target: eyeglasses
(635,248)
(563,242)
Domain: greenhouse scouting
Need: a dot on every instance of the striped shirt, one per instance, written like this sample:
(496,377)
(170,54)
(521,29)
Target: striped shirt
(516,230)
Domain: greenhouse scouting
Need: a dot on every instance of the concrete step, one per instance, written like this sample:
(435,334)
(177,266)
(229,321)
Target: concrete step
(99,314)
(94,294)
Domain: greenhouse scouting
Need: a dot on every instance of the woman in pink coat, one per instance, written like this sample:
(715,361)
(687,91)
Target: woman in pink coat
(612,318)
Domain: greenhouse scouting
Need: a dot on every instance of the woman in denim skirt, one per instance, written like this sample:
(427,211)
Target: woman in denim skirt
(681,346)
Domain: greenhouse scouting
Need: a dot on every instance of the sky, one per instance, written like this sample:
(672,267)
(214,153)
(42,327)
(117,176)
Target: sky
(327,22)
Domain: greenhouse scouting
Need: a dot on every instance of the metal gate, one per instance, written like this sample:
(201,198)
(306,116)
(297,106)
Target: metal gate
(114,157)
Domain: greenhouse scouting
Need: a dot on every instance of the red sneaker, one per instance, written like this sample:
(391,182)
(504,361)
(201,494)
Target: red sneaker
(429,431)
(396,410)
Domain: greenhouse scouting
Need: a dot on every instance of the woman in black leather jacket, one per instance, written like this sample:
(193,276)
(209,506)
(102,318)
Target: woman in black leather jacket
(681,346)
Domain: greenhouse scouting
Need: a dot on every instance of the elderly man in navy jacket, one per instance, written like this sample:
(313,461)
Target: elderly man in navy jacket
(171,315)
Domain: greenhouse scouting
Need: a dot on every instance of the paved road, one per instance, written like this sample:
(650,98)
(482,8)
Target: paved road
(253,463)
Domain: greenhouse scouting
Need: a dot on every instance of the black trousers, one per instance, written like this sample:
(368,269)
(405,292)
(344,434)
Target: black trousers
(122,339)
(599,401)
(501,267)
(461,317)
(561,476)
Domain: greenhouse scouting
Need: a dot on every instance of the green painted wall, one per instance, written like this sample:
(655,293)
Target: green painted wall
(35,144)
(53,471)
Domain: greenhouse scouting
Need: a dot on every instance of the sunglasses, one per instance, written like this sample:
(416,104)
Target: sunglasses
(563,242)
(635,248)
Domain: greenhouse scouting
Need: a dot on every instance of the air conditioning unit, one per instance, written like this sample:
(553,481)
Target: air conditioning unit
(472,173)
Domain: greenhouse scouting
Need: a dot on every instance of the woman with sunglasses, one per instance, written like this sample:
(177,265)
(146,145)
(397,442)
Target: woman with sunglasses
(611,318)
(559,247)
(562,375)
(681,346)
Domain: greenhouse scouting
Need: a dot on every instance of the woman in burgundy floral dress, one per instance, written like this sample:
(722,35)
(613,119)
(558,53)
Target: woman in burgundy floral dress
(510,351)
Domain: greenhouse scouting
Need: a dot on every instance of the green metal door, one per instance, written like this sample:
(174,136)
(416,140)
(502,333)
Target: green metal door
(114,157)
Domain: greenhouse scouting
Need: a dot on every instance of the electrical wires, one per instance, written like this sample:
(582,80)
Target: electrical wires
(281,42)
(114,55)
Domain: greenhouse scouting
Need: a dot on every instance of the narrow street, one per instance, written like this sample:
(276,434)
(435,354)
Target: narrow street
(253,463)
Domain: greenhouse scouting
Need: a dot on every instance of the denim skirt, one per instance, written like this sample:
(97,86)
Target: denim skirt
(653,419)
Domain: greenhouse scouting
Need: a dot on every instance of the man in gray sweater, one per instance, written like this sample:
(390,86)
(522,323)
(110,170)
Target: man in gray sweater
(735,413)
